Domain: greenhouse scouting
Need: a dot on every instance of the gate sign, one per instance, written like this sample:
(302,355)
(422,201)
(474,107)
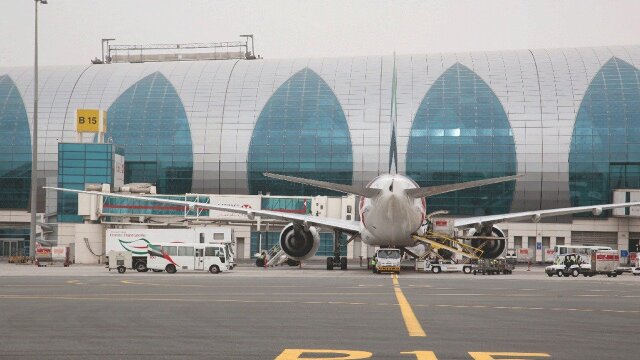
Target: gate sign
(624,253)
(91,120)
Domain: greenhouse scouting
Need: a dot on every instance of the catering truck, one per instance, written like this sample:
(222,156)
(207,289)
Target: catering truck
(605,262)
(137,241)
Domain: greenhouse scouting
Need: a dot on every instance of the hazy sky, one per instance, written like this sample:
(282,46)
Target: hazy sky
(70,30)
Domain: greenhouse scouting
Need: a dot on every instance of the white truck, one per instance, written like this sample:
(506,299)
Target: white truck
(387,260)
(636,268)
(137,241)
(605,262)
(437,267)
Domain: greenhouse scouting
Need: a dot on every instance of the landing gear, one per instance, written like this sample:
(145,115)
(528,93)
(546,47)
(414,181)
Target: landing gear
(329,263)
(336,260)
(343,263)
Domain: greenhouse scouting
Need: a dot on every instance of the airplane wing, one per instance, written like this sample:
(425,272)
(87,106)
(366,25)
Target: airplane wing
(536,215)
(345,225)
(443,189)
(349,189)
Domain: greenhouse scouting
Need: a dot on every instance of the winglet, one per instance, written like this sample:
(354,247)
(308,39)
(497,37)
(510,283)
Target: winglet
(349,189)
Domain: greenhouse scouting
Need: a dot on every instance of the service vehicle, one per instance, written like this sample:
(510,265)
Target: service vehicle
(437,267)
(567,265)
(584,251)
(52,255)
(387,260)
(137,241)
(493,267)
(511,256)
(171,257)
(120,260)
(604,262)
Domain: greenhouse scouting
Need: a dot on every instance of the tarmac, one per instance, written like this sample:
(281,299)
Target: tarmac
(87,312)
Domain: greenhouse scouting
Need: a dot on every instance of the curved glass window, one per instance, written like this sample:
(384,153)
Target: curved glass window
(302,131)
(150,122)
(15,148)
(461,133)
(605,146)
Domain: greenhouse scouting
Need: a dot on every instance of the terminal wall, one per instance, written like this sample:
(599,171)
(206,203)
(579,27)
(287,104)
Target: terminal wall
(91,251)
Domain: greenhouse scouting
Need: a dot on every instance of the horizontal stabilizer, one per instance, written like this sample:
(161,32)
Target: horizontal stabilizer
(349,189)
(442,189)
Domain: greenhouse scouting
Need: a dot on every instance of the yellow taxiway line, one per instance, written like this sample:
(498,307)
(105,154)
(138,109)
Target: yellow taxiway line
(411,322)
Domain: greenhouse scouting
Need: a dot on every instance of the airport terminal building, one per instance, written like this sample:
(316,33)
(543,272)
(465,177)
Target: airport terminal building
(568,119)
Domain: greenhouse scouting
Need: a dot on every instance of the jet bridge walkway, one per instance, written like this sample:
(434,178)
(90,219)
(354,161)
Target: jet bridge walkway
(442,241)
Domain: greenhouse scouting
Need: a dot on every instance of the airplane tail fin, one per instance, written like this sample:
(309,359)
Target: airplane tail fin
(349,189)
(441,189)
(393,117)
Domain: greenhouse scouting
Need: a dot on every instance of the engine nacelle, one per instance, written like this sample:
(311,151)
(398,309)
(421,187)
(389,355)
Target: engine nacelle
(492,248)
(298,243)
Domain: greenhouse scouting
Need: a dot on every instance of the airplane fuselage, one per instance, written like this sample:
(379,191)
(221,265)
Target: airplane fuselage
(390,218)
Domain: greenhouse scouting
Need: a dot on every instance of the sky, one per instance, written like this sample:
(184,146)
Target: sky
(71,30)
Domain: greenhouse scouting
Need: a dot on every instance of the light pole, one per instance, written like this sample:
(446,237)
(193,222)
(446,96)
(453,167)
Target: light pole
(34,144)
(253,54)
(105,41)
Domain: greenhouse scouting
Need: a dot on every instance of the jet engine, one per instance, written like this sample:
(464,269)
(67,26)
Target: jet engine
(492,247)
(298,243)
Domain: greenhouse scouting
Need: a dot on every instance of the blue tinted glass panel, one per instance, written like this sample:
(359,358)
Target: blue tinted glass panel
(272,238)
(76,167)
(461,133)
(15,155)
(149,121)
(296,134)
(603,153)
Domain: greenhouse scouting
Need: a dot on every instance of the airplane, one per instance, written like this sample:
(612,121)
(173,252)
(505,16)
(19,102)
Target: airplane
(392,208)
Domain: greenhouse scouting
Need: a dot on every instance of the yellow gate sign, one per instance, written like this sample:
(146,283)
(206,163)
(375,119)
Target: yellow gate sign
(91,120)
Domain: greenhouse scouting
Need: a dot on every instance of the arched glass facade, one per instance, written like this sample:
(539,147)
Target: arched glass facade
(605,146)
(150,122)
(15,148)
(461,133)
(301,131)
(214,126)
